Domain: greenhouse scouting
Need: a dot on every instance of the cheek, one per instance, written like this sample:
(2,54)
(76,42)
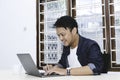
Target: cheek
(68,38)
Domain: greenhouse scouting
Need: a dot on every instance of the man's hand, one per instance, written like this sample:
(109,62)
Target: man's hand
(47,67)
(54,69)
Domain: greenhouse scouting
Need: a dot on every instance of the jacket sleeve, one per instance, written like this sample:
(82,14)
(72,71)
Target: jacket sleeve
(63,62)
(95,58)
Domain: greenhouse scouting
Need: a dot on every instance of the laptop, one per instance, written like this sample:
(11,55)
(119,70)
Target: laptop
(29,65)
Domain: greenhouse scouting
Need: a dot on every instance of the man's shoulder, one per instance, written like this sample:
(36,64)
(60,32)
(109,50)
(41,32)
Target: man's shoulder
(87,41)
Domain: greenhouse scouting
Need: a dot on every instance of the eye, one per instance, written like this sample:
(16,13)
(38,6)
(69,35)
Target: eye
(58,35)
(62,34)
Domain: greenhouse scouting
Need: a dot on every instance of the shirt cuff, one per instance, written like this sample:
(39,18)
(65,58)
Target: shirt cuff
(59,65)
(92,66)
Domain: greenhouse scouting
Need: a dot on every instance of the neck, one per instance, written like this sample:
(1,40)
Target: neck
(75,41)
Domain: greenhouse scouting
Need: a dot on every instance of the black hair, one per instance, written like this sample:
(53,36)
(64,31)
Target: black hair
(66,22)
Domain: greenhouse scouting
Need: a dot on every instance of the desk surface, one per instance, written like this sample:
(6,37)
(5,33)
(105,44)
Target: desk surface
(10,75)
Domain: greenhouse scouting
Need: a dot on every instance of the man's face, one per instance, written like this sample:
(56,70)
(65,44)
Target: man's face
(64,35)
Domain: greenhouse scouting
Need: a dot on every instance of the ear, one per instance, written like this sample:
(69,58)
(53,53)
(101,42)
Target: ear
(74,30)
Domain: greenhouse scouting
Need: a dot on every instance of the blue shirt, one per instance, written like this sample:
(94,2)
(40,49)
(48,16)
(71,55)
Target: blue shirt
(88,53)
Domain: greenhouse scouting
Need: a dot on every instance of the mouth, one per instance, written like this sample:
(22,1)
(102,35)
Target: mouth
(63,42)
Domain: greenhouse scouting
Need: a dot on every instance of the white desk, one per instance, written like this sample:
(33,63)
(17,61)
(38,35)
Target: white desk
(10,75)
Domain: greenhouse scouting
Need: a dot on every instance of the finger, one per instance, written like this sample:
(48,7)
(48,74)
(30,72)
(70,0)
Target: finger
(45,73)
(45,68)
(49,72)
(50,67)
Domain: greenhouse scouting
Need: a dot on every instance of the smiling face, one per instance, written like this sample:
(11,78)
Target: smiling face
(67,30)
(66,36)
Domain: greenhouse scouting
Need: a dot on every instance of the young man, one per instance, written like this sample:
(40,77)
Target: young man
(81,56)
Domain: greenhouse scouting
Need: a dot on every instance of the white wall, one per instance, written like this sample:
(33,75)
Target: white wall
(17,30)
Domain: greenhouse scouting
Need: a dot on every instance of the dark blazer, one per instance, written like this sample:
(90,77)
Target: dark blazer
(88,52)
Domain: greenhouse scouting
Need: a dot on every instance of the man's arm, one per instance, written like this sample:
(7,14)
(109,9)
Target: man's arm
(84,70)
